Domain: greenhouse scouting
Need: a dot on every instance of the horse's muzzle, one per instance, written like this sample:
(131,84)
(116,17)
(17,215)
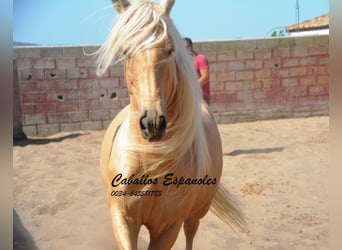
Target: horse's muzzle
(152,126)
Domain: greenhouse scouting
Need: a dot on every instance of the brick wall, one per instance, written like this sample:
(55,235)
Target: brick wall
(250,80)
(268,78)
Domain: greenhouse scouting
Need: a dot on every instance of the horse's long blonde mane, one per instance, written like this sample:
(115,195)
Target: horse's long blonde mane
(185,139)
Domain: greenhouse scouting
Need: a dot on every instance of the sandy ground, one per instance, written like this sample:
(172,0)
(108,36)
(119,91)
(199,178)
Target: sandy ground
(278,169)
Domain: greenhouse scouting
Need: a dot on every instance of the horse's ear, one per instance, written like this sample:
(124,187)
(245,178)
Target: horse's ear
(120,5)
(166,6)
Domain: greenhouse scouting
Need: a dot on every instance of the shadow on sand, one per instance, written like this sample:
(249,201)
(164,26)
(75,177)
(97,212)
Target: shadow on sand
(22,239)
(254,151)
(42,141)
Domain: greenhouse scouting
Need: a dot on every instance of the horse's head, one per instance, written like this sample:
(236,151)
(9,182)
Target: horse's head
(165,97)
(148,68)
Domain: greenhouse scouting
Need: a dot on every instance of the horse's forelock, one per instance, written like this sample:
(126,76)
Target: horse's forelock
(129,35)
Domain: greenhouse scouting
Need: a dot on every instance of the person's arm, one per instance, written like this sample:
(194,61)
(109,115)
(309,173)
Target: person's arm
(204,78)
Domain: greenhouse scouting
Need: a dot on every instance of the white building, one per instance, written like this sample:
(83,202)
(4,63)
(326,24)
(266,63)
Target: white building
(315,26)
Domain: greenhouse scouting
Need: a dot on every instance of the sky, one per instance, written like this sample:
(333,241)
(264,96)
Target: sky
(87,22)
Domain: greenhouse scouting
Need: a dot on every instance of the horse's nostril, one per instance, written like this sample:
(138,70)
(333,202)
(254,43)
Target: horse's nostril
(162,122)
(143,122)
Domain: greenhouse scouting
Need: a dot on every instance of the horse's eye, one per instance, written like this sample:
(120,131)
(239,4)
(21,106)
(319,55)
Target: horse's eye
(125,53)
(170,52)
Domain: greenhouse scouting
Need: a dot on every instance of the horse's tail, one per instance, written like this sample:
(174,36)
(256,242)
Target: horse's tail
(226,207)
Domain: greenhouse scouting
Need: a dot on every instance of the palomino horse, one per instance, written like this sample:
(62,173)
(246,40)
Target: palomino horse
(161,158)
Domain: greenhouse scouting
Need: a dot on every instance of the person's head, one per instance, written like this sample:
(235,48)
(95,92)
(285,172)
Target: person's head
(188,44)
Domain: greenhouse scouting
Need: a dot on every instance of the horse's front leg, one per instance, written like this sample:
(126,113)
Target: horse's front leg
(190,228)
(164,240)
(125,231)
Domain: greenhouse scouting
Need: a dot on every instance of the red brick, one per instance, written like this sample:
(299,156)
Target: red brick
(290,62)
(298,71)
(323,70)
(289,82)
(26,86)
(95,93)
(297,91)
(312,70)
(92,74)
(318,51)
(77,73)
(308,61)
(323,60)
(308,81)
(45,107)
(114,93)
(123,92)
(282,52)
(255,64)
(317,90)
(244,95)
(306,100)
(274,63)
(244,54)
(284,73)
(122,82)
(244,75)
(65,63)
(24,63)
(262,74)
(263,54)
(211,56)
(45,85)
(28,108)
(227,76)
(59,74)
(83,105)
(80,94)
(34,97)
(288,100)
(97,104)
(299,51)
(44,63)
(266,83)
(88,83)
(85,62)
(109,82)
(32,75)
(224,97)
(217,86)
(259,94)
(123,102)
(111,103)
(322,79)
(66,95)
(67,106)
(226,56)
(68,84)
(234,86)
(117,70)
(233,66)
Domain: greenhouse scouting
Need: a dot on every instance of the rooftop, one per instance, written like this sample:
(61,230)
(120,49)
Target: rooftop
(320,22)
